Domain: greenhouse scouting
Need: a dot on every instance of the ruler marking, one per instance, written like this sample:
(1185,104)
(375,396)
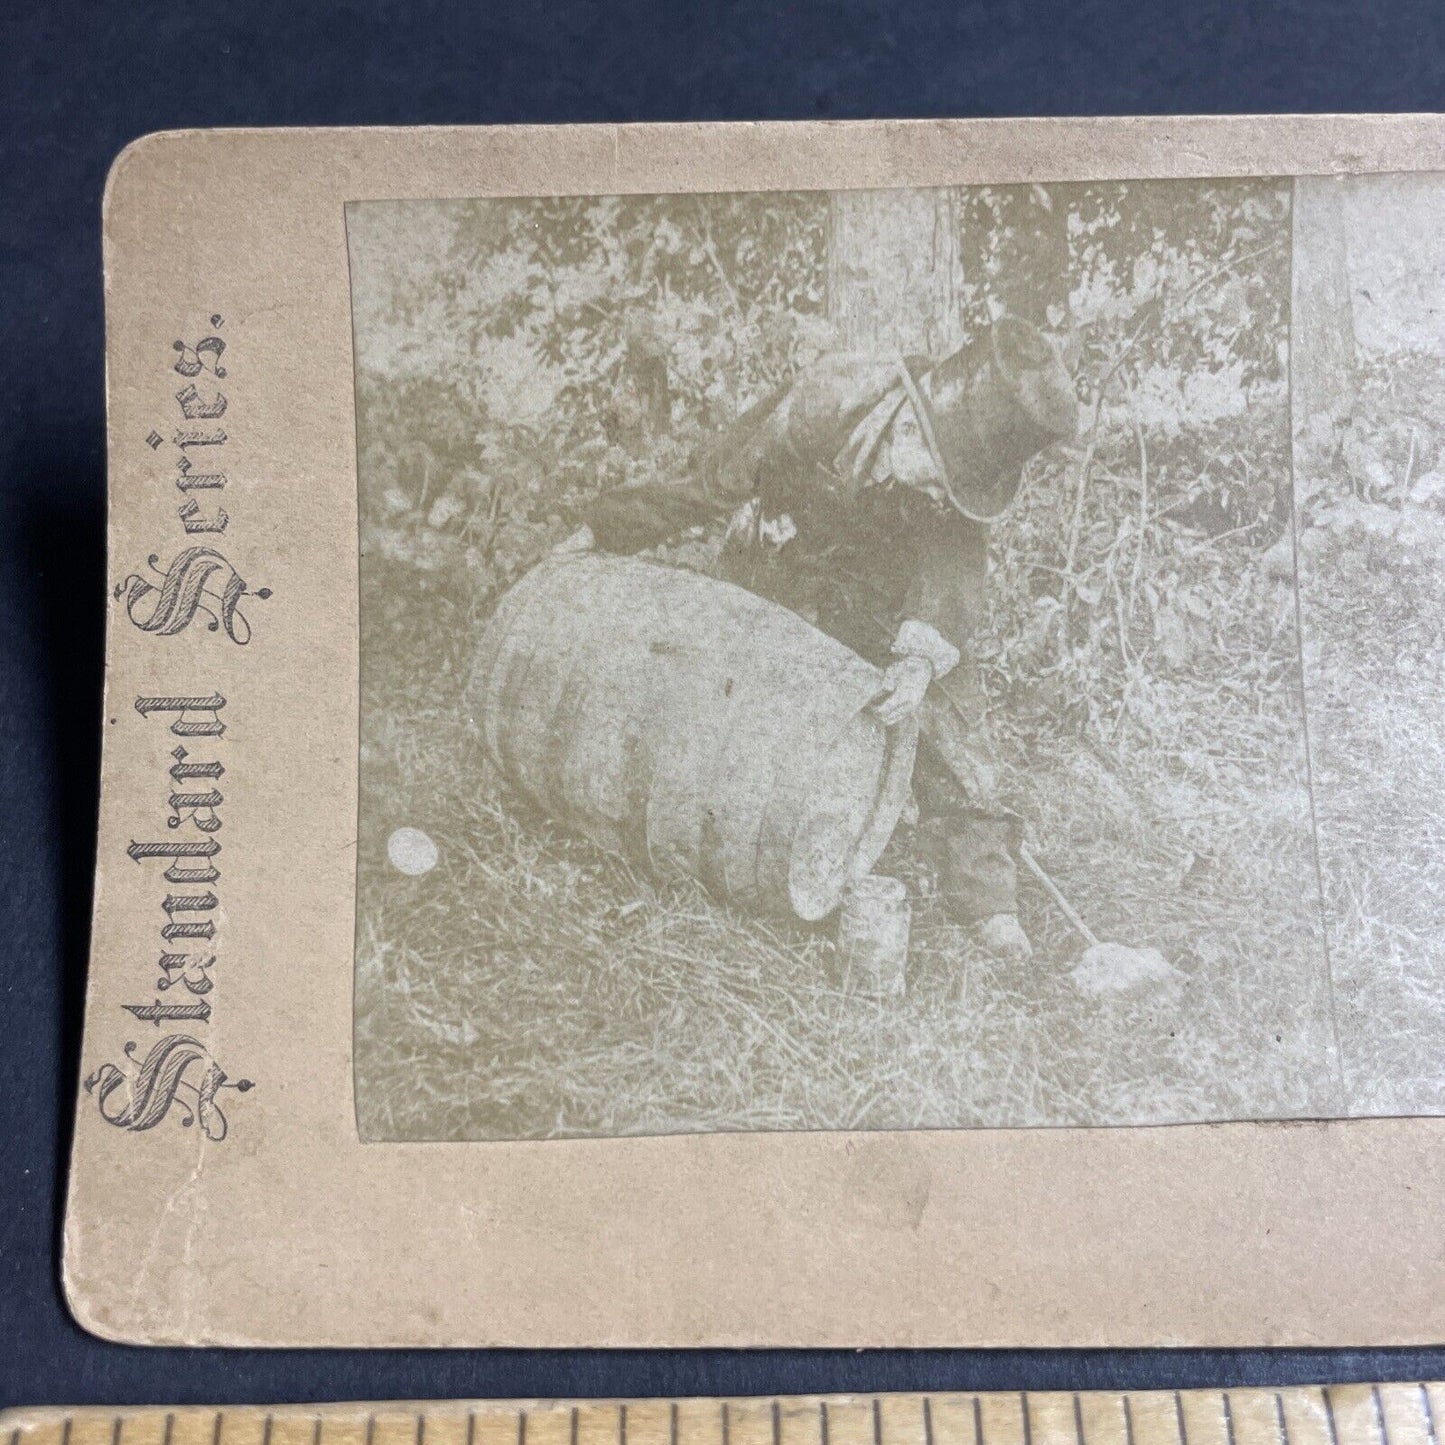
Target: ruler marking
(1350,1429)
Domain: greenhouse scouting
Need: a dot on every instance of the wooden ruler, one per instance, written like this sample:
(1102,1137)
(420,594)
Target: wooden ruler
(1393,1414)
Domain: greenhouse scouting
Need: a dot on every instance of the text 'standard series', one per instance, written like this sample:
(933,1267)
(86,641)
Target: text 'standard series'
(176,1076)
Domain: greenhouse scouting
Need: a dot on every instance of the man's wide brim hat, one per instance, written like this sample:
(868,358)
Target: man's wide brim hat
(982,419)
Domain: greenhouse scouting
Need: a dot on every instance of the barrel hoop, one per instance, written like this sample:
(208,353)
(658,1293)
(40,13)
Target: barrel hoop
(711,852)
(636,787)
(490,669)
(558,739)
(513,687)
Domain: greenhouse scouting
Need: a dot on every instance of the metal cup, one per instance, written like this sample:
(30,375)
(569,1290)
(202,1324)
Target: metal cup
(873,928)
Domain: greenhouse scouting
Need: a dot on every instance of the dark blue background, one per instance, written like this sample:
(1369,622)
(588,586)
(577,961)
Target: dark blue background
(76,83)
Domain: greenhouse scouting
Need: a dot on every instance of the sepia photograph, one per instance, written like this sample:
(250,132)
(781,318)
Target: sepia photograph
(1369,465)
(898,659)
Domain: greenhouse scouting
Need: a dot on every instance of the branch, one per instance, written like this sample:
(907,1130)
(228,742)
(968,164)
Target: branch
(1143,502)
(1151,311)
(711,252)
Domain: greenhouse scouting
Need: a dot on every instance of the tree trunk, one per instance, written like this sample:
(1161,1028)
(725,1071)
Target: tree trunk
(1322,332)
(893,271)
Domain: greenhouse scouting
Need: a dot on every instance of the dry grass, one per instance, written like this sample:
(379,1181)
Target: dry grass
(1373,613)
(534,986)
(1143,669)
(1375,675)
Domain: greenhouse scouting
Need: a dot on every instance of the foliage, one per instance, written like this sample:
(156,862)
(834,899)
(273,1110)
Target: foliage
(517,385)
(546,324)
(1371,545)
(1121,570)
(1140,653)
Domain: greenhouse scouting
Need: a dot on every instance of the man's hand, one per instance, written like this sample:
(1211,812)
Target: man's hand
(904,684)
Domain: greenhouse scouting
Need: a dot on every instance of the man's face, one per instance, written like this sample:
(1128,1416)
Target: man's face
(909,459)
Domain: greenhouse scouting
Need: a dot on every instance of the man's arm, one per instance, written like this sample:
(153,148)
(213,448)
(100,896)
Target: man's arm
(724,473)
(949,579)
(942,608)
(628,519)
(921,655)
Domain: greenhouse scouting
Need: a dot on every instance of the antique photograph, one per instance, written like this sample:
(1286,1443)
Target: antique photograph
(1369,461)
(898,659)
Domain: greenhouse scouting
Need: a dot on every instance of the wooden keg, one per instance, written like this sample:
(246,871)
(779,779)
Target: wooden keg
(694,726)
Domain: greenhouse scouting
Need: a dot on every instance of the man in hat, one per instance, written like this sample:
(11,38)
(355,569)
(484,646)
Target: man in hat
(860,495)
